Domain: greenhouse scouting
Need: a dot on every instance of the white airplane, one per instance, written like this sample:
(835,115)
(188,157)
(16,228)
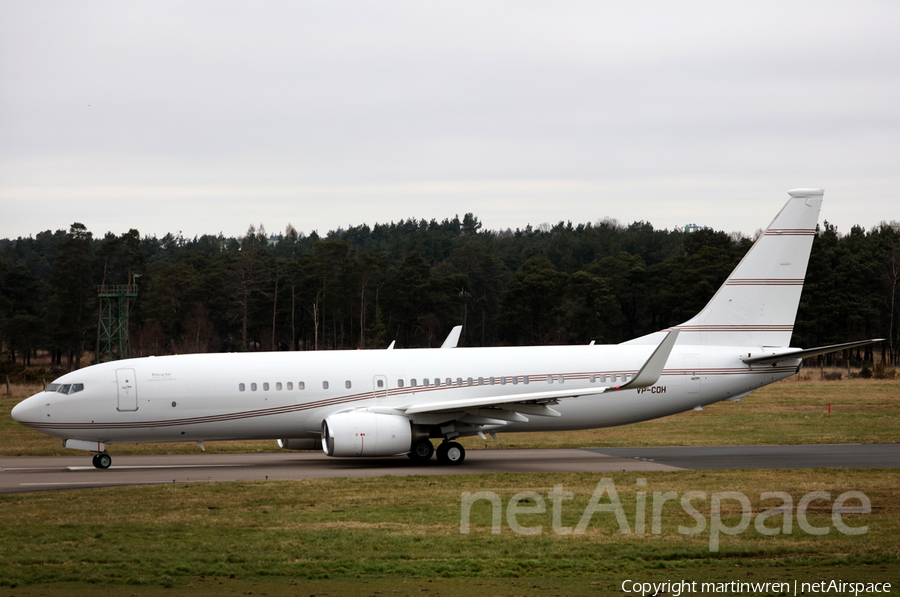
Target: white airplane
(394,402)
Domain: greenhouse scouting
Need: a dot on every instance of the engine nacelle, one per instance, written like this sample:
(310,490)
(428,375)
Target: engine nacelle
(300,444)
(366,434)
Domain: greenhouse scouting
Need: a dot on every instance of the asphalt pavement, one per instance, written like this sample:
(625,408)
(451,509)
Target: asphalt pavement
(22,474)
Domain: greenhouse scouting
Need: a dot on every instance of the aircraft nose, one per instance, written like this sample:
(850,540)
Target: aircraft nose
(27,411)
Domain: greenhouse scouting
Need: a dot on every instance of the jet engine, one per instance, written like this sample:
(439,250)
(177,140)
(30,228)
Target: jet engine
(359,433)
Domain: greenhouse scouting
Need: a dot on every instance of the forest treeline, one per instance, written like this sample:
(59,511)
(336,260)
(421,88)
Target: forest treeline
(412,281)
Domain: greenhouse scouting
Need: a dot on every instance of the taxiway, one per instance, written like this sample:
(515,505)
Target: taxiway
(24,474)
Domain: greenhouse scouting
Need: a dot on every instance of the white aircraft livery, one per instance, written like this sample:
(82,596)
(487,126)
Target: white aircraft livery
(394,402)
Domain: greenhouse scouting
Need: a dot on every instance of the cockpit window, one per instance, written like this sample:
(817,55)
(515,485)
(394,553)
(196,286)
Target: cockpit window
(68,388)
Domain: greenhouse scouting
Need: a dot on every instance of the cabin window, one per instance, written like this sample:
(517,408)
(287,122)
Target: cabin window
(379,383)
(549,379)
(301,385)
(278,385)
(347,384)
(412,382)
(503,381)
(290,385)
(459,381)
(64,389)
(253,387)
(481,381)
(265,386)
(469,381)
(593,378)
(603,378)
(324,385)
(52,387)
(449,382)
(242,387)
(515,380)
(525,379)
(399,383)
(437,382)
(491,380)
(562,379)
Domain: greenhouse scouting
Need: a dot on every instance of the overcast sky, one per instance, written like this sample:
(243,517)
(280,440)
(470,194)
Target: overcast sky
(206,117)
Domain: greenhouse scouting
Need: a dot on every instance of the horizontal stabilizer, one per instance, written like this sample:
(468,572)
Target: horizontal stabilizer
(809,352)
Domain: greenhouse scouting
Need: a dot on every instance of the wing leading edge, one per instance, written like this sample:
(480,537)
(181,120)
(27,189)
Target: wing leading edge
(647,376)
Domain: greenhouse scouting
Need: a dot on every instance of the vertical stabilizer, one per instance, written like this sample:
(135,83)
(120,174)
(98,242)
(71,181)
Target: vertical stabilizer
(757,304)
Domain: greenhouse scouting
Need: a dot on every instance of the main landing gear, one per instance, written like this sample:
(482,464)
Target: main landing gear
(101,460)
(422,451)
(451,453)
(447,452)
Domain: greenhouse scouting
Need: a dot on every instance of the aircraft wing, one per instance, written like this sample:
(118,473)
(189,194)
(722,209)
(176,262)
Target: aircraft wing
(804,353)
(647,376)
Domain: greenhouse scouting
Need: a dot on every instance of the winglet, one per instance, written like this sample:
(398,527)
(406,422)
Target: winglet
(453,338)
(652,369)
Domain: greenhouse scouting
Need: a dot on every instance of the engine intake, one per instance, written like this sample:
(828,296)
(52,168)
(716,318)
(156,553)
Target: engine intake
(366,434)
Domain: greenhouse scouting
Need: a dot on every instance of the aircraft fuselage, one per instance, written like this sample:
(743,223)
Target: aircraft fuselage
(237,396)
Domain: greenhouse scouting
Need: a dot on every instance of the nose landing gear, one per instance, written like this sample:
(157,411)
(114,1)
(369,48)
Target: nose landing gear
(101,460)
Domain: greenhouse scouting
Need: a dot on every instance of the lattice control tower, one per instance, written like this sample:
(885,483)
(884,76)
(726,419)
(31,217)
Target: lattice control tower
(113,340)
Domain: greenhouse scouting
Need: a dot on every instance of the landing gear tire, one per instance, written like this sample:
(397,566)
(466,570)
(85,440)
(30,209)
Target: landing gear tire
(422,451)
(102,461)
(451,453)
(94,461)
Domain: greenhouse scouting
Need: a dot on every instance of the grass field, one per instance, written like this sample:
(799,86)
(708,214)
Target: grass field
(401,535)
(347,536)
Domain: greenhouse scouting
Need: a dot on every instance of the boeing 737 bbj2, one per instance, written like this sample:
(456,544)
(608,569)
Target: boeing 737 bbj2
(394,402)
